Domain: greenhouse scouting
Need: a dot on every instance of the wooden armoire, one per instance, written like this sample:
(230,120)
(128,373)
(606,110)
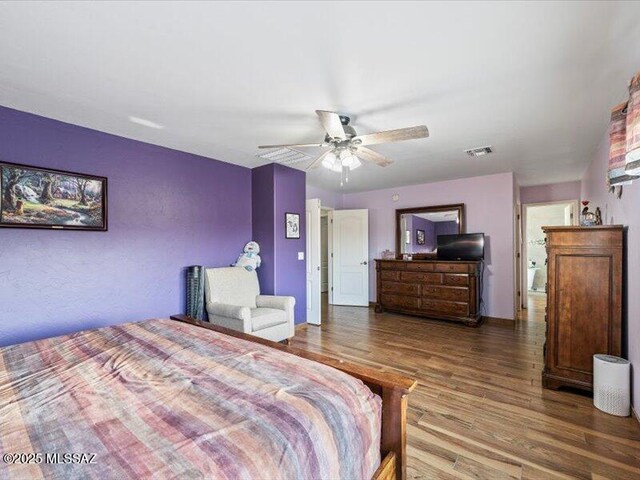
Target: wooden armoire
(584,302)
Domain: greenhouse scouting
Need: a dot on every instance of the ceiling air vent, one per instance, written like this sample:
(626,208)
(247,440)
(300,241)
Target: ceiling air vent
(285,156)
(479,151)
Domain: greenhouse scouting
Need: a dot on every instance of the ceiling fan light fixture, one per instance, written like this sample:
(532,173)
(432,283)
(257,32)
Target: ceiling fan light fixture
(328,160)
(351,162)
(331,162)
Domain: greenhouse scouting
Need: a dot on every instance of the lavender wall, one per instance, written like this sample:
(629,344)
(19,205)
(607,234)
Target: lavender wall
(555,192)
(276,190)
(327,198)
(489,208)
(167,210)
(624,211)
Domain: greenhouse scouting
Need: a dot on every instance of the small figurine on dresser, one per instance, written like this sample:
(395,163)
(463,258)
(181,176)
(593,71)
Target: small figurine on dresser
(598,216)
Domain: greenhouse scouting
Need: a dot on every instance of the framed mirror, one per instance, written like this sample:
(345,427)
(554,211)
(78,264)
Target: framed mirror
(417,229)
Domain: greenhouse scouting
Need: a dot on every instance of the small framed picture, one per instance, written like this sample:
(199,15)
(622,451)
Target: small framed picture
(420,237)
(292,225)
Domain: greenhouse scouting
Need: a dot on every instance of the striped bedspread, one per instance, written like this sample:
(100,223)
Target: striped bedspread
(162,399)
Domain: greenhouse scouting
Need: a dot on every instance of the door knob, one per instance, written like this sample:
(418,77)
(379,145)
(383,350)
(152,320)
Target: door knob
(364,263)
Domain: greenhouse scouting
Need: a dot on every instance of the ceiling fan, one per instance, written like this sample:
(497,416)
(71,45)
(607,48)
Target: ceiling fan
(347,148)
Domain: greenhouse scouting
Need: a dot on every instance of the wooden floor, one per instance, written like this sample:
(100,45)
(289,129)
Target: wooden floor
(479,411)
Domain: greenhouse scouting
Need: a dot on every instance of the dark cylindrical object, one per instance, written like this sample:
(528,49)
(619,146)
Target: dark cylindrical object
(195,292)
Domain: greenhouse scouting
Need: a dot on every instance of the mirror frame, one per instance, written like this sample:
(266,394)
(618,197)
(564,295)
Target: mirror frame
(462,228)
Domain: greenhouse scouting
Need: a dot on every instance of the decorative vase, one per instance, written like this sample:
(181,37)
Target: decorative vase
(587,218)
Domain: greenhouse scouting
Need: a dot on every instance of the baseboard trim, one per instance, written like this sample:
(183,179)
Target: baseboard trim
(498,321)
(634,413)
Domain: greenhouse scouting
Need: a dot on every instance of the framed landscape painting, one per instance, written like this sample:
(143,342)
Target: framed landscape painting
(33,197)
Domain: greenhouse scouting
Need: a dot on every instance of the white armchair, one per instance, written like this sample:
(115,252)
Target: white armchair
(233,300)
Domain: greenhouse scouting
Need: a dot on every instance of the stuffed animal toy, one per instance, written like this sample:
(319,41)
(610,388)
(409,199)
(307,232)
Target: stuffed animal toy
(249,260)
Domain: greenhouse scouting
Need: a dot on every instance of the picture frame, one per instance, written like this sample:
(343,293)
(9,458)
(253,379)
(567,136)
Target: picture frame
(46,198)
(420,237)
(291,225)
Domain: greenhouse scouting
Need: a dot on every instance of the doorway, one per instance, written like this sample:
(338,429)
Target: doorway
(534,252)
(337,258)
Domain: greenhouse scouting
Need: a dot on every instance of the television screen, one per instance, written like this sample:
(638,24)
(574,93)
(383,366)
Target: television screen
(467,246)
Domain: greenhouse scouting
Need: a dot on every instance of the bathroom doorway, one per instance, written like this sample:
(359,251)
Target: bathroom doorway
(534,258)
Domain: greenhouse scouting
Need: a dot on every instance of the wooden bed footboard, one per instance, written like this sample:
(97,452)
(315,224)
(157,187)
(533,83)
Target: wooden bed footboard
(391,387)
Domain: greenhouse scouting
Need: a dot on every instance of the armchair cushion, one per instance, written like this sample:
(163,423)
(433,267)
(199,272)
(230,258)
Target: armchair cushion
(266,317)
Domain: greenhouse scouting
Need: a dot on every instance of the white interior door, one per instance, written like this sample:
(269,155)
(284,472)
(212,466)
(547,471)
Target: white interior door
(350,260)
(324,253)
(313,262)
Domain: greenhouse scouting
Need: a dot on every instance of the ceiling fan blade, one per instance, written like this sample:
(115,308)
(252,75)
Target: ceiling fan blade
(316,163)
(295,145)
(393,135)
(332,124)
(369,155)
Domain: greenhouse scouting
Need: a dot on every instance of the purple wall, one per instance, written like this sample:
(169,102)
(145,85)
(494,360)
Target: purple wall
(555,192)
(447,228)
(419,223)
(276,190)
(262,221)
(624,211)
(167,210)
(291,273)
(489,208)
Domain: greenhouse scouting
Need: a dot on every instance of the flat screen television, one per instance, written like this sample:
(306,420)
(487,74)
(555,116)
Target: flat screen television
(465,246)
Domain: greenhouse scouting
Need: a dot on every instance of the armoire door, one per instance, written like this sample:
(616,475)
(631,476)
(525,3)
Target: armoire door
(583,304)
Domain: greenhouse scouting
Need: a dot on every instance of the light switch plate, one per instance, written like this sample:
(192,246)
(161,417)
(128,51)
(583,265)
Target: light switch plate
(300,255)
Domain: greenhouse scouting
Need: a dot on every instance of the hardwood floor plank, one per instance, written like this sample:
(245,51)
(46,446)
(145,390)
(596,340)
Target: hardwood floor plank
(479,411)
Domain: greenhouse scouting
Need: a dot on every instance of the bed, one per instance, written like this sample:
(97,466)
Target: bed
(178,398)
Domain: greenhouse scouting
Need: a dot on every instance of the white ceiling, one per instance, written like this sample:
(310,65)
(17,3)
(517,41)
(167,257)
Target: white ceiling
(450,216)
(534,79)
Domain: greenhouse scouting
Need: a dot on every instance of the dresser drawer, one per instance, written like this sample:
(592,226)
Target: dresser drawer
(389,275)
(400,301)
(452,267)
(425,277)
(460,280)
(447,308)
(402,288)
(459,294)
(392,266)
(420,267)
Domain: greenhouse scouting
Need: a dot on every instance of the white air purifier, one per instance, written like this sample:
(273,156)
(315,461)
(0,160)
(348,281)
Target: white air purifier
(611,385)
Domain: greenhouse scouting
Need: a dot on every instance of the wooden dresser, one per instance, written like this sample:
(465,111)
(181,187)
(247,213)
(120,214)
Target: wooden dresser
(584,302)
(448,290)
